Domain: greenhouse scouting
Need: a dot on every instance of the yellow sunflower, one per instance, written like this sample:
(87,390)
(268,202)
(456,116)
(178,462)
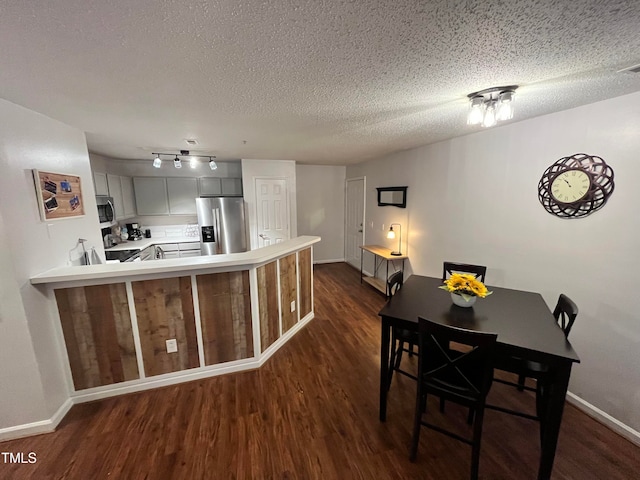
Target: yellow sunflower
(466,285)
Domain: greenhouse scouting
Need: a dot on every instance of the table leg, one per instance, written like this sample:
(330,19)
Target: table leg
(361,263)
(384,367)
(555,399)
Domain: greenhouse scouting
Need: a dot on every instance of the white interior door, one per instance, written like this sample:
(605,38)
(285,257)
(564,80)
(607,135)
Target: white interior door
(354,218)
(272,211)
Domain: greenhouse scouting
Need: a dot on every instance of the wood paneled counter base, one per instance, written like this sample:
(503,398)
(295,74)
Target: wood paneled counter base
(220,314)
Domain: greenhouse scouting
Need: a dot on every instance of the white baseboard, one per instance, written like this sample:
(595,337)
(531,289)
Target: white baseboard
(607,420)
(36,428)
(337,260)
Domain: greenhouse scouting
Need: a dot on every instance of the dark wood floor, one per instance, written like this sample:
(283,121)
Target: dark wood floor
(311,412)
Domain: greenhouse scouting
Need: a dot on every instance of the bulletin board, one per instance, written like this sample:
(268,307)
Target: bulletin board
(59,195)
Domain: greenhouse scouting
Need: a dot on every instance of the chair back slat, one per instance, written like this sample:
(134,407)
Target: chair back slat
(464,375)
(565,313)
(395,282)
(449,268)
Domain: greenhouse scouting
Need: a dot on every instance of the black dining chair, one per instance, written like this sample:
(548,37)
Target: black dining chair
(448,268)
(479,271)
(462,377)
(565,314)
(401,340)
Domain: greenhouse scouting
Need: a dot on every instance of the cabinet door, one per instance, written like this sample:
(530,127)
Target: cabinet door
(232,186)
(151,195)
(115,191)
(128,197)
(210,186)
(100,182)
(182,195)
(190,253)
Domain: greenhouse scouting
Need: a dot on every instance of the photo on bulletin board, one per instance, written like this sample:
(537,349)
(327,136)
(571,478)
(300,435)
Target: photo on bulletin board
(59,195)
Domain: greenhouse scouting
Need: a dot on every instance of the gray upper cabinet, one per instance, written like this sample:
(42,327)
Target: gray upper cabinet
(151,195)
(232,186)
(210,186)
(128,197)
(100,182)
(115,191)
(216,186)
(182,195)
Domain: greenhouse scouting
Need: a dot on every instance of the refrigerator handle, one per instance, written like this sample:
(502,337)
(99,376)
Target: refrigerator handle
(216,225)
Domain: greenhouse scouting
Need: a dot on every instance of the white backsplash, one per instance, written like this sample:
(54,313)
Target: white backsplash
(178,231)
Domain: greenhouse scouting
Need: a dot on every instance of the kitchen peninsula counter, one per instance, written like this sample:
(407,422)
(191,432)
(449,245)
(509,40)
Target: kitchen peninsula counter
(132,326)
(125,270)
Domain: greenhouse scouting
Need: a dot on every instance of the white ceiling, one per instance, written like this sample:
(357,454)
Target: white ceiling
(322,82)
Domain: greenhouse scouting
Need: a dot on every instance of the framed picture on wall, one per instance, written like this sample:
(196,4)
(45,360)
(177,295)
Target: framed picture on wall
(59,195)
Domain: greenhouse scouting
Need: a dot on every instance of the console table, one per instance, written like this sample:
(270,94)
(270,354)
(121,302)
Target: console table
(380,255)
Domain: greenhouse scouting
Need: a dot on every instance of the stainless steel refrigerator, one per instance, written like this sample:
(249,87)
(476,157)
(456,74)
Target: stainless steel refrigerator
(222,225)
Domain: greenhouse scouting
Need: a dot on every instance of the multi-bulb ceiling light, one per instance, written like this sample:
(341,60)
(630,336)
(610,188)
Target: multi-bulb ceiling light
(489,106)
(177,162)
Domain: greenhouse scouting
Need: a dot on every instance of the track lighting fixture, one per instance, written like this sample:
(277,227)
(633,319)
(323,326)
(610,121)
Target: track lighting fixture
(489,106)
(177,162)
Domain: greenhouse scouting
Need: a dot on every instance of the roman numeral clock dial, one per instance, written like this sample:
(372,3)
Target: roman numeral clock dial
(575,186)
(570,186)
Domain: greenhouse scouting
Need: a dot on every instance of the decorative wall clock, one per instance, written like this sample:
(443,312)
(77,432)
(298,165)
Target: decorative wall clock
(576,186)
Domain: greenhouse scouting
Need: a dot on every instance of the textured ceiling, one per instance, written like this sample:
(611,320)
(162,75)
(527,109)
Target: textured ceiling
(323,82)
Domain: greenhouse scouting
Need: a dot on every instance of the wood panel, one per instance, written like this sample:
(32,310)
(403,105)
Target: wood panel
(97,332)
(288,291)
(225,315)
(311,412)
(164,309)
(304,267)
(268,304)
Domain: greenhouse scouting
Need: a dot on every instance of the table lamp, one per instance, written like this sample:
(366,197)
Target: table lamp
(392,234)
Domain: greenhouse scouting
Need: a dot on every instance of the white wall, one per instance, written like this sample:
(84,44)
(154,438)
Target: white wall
(268,168)
(474,199)
(33,378)
(321,191)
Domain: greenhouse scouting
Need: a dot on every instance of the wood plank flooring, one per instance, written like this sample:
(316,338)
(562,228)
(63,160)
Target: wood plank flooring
(311,412)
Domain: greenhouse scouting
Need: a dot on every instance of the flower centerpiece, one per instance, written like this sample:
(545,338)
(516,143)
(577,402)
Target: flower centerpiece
(465,288)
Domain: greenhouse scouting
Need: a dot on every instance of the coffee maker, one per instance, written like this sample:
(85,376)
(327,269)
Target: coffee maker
(133,229)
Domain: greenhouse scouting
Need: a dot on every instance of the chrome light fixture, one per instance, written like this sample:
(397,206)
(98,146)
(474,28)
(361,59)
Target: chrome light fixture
(489,106)
(391,234)
(177,162)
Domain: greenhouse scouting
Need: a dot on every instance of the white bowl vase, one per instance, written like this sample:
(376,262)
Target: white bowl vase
(461,302)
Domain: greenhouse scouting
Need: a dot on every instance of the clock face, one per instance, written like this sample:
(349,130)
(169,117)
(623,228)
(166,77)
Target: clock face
(570,186)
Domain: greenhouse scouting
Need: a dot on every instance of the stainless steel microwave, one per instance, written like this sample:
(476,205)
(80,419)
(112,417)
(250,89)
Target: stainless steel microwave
(106,210)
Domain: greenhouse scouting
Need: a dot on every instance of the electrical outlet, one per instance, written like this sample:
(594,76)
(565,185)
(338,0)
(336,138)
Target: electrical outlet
(172,345)
(293,306)
(371,224)
(383,227)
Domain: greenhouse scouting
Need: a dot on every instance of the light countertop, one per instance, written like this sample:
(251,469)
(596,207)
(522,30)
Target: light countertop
(79,275)
(146,242)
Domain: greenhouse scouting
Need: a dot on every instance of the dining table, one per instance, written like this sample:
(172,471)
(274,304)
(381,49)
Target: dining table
(526,330)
